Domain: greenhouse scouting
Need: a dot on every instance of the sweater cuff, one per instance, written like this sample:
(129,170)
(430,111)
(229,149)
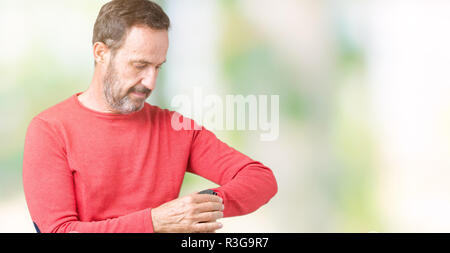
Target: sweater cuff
(217,192)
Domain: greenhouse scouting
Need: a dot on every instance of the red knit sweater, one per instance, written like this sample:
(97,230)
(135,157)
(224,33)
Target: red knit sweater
(88,171)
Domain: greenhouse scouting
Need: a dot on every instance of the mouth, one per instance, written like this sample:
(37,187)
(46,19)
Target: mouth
(138,94)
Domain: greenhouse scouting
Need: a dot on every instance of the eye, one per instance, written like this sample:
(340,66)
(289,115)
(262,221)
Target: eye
(140,66)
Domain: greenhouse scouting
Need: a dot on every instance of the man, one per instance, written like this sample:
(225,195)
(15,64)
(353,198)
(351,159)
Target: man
(104,160)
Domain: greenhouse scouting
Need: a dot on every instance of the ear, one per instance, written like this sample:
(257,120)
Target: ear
(101,53)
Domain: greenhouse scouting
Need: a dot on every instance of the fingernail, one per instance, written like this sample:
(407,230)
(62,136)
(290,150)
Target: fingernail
(220,225)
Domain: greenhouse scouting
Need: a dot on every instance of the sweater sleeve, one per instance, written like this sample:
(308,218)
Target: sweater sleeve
(49,189)
(245,184)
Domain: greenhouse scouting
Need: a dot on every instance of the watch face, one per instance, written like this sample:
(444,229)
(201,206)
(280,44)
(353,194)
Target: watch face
(208,192)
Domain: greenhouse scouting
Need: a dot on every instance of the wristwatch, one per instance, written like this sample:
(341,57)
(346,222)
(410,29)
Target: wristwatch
(211,192)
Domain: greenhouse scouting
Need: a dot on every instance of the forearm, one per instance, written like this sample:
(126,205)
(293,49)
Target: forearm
(137,222)
(251,188)
(246,184)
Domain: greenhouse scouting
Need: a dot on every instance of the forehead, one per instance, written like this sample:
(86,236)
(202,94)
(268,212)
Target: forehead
(144,43)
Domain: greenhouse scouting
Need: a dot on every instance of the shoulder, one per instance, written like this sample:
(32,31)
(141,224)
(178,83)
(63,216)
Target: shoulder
(156,110)
(176,120)
(46,127)
(161,113)
(54,117)
(58,111)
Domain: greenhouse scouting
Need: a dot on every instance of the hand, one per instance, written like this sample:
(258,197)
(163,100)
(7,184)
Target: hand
(195,213)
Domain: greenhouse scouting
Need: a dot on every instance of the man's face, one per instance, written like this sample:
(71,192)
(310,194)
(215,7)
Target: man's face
(131,74)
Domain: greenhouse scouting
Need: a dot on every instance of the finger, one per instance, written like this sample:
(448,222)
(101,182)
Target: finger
(210,232)
(200,198)
(209,216)
(207,227)
(209,207)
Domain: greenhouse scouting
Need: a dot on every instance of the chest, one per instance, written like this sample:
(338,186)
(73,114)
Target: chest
(115,160)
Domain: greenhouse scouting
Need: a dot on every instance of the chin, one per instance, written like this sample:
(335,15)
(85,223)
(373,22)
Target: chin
(133,108)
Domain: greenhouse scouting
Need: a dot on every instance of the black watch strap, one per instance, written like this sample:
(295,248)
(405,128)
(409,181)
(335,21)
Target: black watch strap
(211,192)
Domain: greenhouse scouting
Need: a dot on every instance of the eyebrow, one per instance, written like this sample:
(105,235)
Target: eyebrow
(146,62)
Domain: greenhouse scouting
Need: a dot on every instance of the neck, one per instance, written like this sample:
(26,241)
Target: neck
(93,97)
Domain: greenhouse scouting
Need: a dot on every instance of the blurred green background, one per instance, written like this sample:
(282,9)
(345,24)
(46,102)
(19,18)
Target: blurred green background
(364,140)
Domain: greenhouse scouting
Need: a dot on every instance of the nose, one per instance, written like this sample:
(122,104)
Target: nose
(149,79)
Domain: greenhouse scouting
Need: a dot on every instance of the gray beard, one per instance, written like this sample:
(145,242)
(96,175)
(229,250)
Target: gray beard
(111,91)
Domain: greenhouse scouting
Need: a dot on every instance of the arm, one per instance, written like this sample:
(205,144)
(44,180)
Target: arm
(246,184)
(49,189)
